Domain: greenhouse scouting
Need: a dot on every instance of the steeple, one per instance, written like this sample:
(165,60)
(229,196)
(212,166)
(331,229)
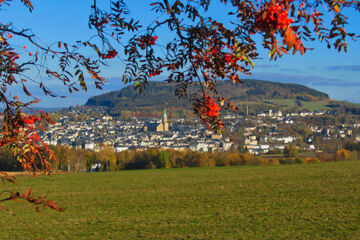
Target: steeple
(165,122)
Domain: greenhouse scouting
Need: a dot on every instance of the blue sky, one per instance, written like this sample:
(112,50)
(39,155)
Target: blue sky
(337,74)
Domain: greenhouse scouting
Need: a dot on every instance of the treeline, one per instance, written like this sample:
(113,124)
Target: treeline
(71,160)
(154,158)
(352,146)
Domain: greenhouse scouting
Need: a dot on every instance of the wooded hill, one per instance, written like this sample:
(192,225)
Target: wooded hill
(260,95)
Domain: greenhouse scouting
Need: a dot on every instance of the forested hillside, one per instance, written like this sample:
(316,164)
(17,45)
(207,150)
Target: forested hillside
(158,95)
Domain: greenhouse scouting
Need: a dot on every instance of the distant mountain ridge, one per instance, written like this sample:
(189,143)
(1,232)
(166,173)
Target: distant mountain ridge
(158,95)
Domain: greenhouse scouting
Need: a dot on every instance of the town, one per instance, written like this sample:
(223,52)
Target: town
(266,132)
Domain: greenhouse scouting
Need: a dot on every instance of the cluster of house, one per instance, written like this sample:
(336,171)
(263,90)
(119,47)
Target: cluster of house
(275,139)
(96,132)
(279,115)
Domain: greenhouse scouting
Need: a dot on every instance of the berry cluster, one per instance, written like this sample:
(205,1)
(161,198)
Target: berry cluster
(30,120)
(155,72)
(34,137)
(147,40)
(152,40)
(273,17)
(231,58)
(100,23)
(212,109)
(28,123)
(110,54)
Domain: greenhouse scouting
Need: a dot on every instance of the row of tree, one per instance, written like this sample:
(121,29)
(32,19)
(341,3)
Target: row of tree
(72,160)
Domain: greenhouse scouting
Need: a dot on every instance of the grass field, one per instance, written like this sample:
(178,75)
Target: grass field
(287,104)
(307,201)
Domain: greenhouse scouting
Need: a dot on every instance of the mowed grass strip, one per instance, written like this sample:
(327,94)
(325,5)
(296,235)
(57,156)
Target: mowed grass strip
(313,201)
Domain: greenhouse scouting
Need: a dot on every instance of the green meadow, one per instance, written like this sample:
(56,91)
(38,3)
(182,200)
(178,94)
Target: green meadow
(305,201)
(287,104)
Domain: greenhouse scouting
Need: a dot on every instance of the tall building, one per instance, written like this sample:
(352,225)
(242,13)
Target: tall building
(164,125)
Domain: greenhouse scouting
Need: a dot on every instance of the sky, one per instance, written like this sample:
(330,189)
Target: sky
(337,74)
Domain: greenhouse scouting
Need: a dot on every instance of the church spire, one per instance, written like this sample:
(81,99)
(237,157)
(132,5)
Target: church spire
(165,122)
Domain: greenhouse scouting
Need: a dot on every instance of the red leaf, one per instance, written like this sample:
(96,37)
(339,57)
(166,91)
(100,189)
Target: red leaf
(28,192)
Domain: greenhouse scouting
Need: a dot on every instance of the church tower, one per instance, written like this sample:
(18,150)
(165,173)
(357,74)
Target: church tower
(165,122)
(164,125)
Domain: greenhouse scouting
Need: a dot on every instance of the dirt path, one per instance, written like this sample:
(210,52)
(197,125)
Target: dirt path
(15,174)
